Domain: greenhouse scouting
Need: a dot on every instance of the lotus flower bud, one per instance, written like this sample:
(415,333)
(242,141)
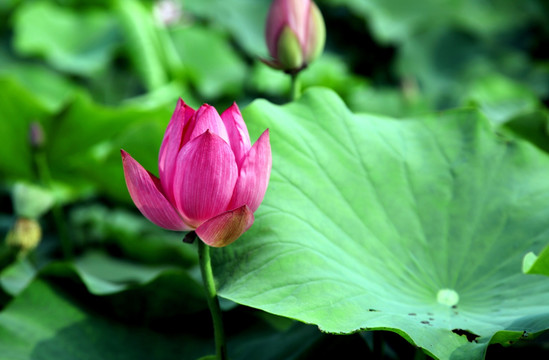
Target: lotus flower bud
(36,135)
(25,235)
(211,179)
(295,34)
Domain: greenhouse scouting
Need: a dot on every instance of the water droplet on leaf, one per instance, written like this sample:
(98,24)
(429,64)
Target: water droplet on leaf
(447,297)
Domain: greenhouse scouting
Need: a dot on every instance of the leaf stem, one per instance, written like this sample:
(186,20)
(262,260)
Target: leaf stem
(213,301)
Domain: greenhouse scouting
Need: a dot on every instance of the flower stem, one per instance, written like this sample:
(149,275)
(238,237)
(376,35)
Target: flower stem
(296,86)
(213,301)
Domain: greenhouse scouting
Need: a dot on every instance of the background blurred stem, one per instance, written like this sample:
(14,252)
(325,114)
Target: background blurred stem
(43,172)
(213,301)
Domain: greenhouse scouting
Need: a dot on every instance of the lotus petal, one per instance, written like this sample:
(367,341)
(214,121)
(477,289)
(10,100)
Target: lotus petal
(146,193)
(254,175)
(171,144)
(225,228)
(205,177)
(206,118)
(237,131)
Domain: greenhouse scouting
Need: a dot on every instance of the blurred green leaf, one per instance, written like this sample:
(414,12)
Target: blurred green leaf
(166,95)
(45,322)
(445,46)
(244,19)
(398,20)
(388,101)
(265,344)
(85,143)
(104,274)
(31,201)
(442,62)
(51,89)
(533,127)
(501,99)
(332,72)
(358,93)
(211,64)
(130,234)
(435,213)
(144,44)
(46,319)
(7,4)
(18,108)
(329,71)
(17,276)
(270,81)
(80,43)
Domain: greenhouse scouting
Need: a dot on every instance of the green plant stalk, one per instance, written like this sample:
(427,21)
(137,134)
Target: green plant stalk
(296,86)
(44,176)
(213,301)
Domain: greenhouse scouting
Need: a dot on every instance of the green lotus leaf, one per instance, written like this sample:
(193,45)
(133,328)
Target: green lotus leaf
(80,43)
(415,226)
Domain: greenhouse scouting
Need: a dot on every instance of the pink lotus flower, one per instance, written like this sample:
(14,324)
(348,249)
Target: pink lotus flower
(295,34)
(211,179)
